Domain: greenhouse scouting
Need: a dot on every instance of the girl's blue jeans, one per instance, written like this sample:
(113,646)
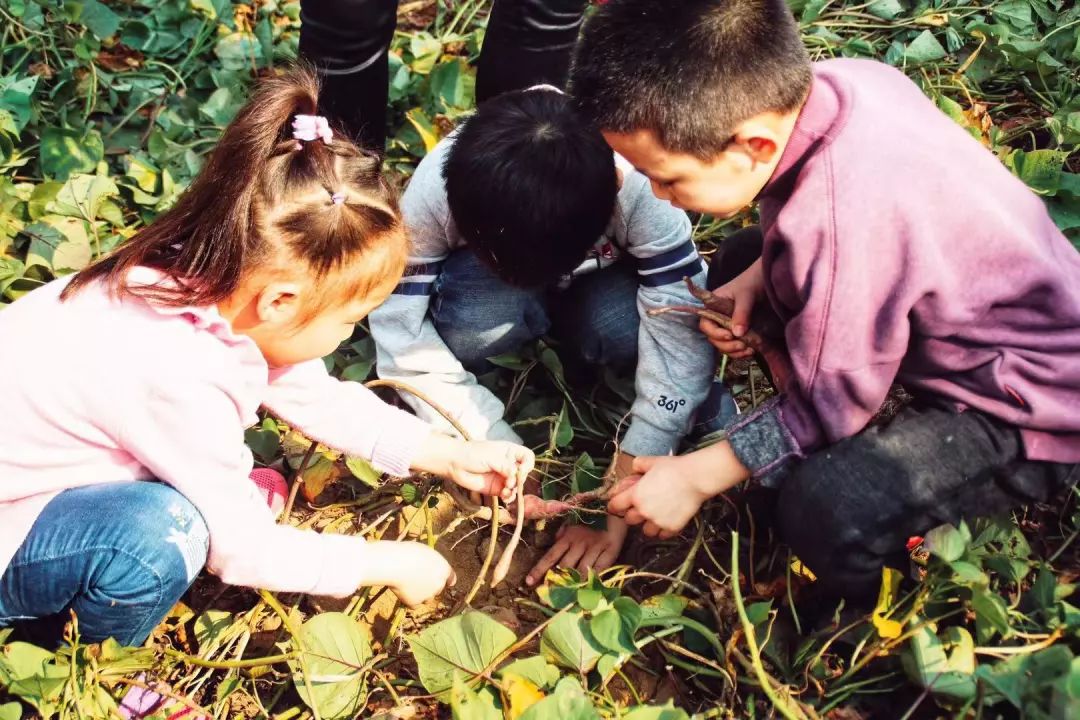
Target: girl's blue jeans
(119,555)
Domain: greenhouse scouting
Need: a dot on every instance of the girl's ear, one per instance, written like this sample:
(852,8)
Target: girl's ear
(279,303)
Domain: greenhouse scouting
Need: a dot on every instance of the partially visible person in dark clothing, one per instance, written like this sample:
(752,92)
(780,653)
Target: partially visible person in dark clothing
(528,42)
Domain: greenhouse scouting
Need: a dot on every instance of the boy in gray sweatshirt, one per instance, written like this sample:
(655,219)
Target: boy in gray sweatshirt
(523,222)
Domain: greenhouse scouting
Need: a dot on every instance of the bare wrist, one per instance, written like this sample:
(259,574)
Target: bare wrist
(716,469)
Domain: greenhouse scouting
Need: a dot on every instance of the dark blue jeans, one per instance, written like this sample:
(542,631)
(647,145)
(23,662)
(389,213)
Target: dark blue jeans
(480,316)
(119,555)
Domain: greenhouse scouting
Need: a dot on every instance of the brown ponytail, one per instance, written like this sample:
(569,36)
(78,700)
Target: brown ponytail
(259,191)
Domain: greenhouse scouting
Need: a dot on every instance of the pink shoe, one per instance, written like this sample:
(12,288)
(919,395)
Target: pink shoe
(143,703)
(272,487)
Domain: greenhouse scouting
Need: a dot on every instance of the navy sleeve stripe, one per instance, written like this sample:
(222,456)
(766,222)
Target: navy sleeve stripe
(413,288)
(431,268)
(675,274)
(685,250)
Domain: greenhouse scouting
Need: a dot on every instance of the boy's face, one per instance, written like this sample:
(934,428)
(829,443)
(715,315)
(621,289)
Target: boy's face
(721,186)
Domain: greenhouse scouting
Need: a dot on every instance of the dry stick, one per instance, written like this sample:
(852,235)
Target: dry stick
(298,479)
(495,517)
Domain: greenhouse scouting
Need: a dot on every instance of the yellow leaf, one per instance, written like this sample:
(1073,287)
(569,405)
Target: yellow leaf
(933,19)
(799,569)
(320,473)
(890,583)
(518,695)
(424,128)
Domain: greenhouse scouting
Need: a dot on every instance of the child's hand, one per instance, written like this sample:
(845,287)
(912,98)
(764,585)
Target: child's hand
(419,573)
(744,291)
(667,494)
(585,548)
(491,467)
(582,548)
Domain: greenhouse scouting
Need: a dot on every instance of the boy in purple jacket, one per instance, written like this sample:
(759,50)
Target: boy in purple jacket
(893,247)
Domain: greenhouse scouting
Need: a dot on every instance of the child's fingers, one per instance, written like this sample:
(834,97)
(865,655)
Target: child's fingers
(643,464)
(633,517)
(713,331)
(651,529)
(548,561)
(621,498)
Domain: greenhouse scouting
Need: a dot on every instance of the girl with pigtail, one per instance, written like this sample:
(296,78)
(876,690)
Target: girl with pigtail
(227,303)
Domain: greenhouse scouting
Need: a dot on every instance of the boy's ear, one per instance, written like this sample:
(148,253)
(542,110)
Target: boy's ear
(758,139)
(278,303)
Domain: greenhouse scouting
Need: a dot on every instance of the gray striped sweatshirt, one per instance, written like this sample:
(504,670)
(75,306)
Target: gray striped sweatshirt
(675,363)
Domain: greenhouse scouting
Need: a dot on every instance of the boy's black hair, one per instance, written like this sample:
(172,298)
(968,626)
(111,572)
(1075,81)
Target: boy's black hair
(531,185)
(689,70)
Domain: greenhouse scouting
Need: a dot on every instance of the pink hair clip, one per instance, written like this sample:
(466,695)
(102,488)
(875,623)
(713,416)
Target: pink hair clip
(310,127)
(337,198)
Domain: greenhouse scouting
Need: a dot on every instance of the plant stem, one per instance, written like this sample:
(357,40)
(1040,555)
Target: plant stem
(782,704)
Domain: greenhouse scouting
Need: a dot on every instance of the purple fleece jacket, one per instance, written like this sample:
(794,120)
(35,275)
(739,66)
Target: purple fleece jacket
(897,248)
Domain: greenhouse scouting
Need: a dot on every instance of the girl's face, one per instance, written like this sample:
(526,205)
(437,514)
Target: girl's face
(280,319)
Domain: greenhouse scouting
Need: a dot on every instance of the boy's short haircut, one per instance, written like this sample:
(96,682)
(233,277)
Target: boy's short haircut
(689,70)
(531,186)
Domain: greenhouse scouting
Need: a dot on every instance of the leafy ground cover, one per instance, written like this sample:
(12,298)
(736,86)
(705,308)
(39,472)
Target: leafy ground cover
(105,112)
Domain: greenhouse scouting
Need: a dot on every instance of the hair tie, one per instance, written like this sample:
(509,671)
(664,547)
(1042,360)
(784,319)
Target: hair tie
(310,127)
(337,198)
(545,86)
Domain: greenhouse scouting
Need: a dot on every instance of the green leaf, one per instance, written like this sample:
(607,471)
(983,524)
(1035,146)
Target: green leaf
(966,573)
(924,48)
(759,612)
(454,85)
(220,107)
(82,195)
(358,371)
(535,669)
(99,19)
(265,444)
(630,613)
(464,643)
(468,704)
(656,712)
(239,51)
(564,431)
(991,614)
(1016,13)
(15,97)
(928,665)
(337,648)
(607,628)
(585,476)
(65,151)
(425,50)
(885,9)
(209,628)
(568,642)
(510,361)
(589,598)
(363,471)
(947,542)
(19,660)
(10,711)
(663,606)
(568,702)
(142,172)
(1040,169)
(812,10)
